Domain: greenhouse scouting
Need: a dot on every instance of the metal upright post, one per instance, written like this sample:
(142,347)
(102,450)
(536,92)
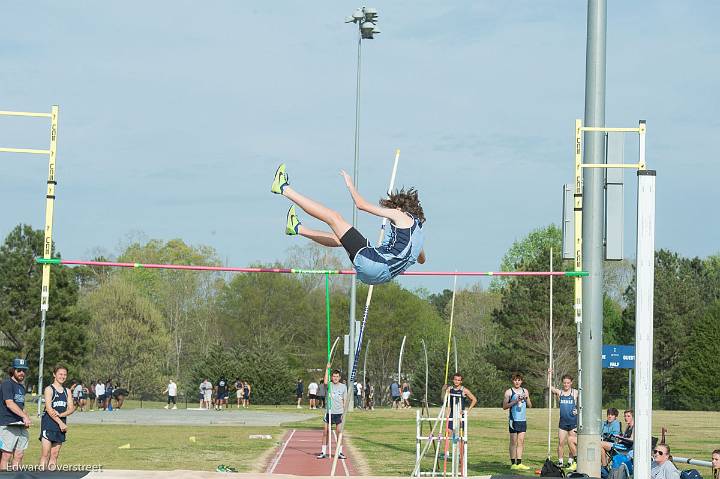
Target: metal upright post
(353,281)
(593,250)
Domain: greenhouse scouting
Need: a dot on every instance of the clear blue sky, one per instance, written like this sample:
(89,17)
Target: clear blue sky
(174,116)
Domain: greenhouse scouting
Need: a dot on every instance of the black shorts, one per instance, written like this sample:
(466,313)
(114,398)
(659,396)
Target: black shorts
(52,436)
(568,427)
(312,396)
(334,418)
(353,242)
(396,398)
(517,426)
(298,395)
(171,399)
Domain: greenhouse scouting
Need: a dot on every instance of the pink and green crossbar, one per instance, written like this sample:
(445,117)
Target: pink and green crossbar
(230,269)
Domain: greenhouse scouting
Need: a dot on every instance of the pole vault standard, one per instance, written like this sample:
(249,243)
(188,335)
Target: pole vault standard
(588,445)
(230,269)
(49,210)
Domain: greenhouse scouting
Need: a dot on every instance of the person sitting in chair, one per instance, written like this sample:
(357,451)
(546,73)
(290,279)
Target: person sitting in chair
(622,442)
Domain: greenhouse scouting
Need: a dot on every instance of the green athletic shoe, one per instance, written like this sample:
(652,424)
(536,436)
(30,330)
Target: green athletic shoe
(293,223)
(280,181)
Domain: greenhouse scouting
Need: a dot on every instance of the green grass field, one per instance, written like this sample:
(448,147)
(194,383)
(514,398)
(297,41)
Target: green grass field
(383,438)
(386,438)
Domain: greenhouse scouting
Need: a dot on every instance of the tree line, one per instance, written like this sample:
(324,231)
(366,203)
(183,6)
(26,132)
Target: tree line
(142,327)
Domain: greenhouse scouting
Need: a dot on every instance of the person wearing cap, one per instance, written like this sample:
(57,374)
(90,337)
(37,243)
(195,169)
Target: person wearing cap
(14,421)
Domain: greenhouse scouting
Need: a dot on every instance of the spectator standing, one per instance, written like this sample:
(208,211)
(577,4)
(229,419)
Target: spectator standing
(662,467)
(14,421)
(206,388)
(369,397)
(100,394)
(321,393)
(312,394)
(92,396)
(77,394)
(108,394)
(221,393)
(406,392)
(299,391)
(395,394)
(238,391)
(247,389)
(58,407)
(358,394)
(171,391)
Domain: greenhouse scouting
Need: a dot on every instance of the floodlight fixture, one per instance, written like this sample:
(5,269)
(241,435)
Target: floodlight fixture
(367,29)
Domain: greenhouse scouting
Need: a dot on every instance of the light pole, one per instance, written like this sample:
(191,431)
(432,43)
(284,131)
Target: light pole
(366,20)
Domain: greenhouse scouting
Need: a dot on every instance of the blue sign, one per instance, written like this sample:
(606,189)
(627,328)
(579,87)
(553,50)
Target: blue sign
(618,357)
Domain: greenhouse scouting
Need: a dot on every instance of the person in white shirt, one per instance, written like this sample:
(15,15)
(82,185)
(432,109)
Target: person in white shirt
(207,388)
(312,394)
(171,391)
(100,393)
(662,467)
(358,394)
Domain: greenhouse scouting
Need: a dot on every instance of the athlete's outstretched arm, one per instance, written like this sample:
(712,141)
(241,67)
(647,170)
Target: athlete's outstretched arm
(401,220)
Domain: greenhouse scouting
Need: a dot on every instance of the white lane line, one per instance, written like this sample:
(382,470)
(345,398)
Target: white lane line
(282,451)
(347,473)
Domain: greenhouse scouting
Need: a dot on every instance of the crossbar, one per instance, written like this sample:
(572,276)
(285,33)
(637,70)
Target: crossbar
(25,150)
(230,269)
(612,165)
(25,113)
(610,129)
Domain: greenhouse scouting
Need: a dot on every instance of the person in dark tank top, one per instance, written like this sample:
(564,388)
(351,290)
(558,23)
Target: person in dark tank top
(53,427)
(567,428)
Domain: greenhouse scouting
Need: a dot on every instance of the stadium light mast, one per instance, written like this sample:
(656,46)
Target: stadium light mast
(366,19)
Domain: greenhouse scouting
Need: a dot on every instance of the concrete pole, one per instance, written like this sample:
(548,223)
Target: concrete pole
(593,215)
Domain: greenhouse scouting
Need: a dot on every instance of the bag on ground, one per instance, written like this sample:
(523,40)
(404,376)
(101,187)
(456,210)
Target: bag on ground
(549,469)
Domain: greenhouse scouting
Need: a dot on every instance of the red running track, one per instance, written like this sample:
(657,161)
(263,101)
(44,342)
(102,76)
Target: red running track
(297,456)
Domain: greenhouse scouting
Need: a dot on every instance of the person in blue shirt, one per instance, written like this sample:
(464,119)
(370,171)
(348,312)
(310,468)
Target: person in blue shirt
(611,426)
(516,401)
(401,247)
(395,395)
(58,407)
(567,429)
(14,421)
